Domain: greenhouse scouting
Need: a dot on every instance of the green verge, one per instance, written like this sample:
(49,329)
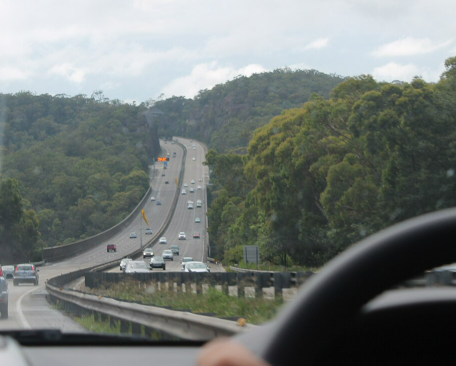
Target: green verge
(273,267)
(254,311)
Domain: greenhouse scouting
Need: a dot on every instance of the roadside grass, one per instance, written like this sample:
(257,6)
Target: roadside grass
(97,326)
(254,311)
(272,267)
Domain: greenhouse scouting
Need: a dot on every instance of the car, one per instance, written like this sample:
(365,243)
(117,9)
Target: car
(26,273)
(197,267)
(198,203)
(166,181)
(189,202)
(185,185)
(174,249)
(158,203)
(168,254)
(182,236)
(163,174)
(184,192)
(185,260)
(192,181)
(197,220)
(148,253)
(157,262)
(190,206)
(196,236)
(111,248)
(192,190)
(123,263)
(194,159)
(201,179)
(199,187)
(136,267)
(133,235)
(8,271)
(152,198)
(162,240)
(148,231)
(4,297)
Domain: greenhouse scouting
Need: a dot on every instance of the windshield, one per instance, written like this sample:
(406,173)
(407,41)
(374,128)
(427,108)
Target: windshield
(307,127)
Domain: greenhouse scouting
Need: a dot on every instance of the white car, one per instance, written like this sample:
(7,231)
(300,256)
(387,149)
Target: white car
(133,235)
(198,220)
(185,185)
(162,240)
(199,187)
(201,179)
(136,267)
(190,206)
(148,231)
(193,159)
(192,190)
(193,181)
(168,254)
(184,191)
(198,267)
(182,236)
(152,198)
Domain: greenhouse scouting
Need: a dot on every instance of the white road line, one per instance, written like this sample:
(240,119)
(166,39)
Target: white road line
(20,316)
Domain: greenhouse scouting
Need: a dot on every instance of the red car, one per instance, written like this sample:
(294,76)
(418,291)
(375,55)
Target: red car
(111,248)
(196,236)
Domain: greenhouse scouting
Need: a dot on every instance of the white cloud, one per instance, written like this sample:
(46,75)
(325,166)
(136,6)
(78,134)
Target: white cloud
(317,44)
(11,73)
(409,46)
(206,76)
(393,71)
(73,74)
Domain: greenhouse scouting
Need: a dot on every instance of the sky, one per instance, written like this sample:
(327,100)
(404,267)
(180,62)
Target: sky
(138,50)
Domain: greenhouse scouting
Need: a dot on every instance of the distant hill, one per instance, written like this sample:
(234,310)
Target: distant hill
(226,116)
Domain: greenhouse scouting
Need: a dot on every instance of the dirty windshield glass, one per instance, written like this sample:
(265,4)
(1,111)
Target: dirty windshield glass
(306,125)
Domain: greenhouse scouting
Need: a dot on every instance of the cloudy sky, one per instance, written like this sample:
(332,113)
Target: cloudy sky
(136,50)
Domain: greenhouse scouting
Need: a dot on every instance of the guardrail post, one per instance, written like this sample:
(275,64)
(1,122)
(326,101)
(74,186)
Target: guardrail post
(188,282)
(199,282)
(240,284)
(136,329)
(112,322)
(278,285)
(124,326)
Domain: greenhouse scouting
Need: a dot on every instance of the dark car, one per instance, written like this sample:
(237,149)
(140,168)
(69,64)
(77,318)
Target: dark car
(25,273)
(157,262)
(174,249)
(196,236)
(111,248)
(159,203)
(8,271)
(166,181)
(4,297)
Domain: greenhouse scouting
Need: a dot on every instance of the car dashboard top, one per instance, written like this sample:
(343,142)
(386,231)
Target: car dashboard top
(51,347)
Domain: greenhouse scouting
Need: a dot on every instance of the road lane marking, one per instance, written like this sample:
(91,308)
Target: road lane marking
(21,318)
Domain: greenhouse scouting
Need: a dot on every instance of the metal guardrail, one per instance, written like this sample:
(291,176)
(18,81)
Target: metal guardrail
(180,324)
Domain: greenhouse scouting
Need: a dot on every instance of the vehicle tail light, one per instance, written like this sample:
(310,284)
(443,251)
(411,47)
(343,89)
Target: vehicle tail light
(16,269)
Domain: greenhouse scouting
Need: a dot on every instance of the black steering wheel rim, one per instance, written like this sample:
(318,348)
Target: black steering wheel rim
(349,281)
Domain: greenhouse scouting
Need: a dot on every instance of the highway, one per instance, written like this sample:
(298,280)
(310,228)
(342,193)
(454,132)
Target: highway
(184,218)
(28,308)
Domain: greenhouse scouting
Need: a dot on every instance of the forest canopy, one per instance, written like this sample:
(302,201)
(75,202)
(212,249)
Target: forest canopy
(79,164)
(318,178)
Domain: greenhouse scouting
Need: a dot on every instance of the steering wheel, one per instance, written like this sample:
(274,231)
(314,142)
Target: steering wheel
(331,299)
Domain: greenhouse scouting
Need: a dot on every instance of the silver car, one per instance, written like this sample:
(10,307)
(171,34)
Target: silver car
(168,254)
(136,267)
(123,263)
(25,273)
